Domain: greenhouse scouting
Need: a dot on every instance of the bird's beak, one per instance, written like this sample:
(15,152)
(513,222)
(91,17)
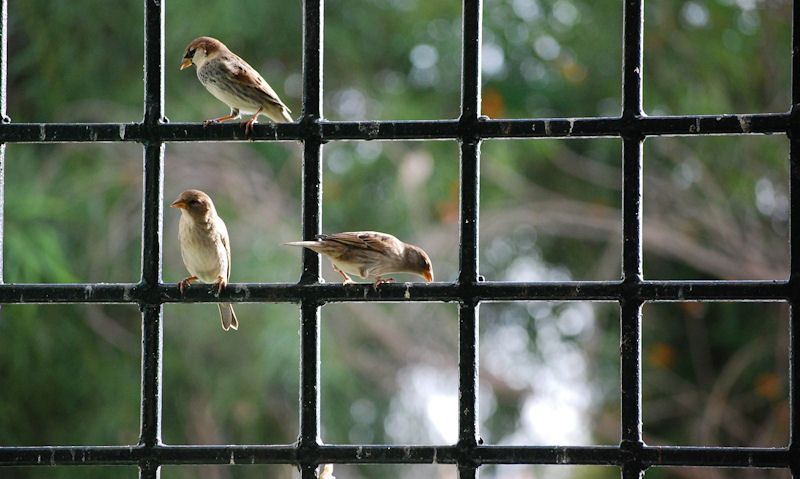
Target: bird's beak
(186,63)
(180,204)
(428,275)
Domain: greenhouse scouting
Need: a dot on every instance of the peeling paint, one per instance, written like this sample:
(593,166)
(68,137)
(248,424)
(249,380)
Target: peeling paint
(122,131)
(42,132)
(571,126)
(244,289)
(407,294)
(548,129)
(744,123)
(232,461)
(370,129)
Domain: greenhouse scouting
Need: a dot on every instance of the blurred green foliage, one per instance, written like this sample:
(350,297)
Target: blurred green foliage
(714,208)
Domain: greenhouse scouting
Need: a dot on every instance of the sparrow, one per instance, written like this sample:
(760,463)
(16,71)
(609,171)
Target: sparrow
(205,247)
(234,82)
(370,255)
(326,471)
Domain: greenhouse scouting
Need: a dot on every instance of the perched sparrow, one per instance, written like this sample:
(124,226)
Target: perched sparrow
(234,82)
(371,255)
(205,247)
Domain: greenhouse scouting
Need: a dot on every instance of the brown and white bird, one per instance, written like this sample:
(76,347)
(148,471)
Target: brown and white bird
(234,82)
(370,255)
(205,247)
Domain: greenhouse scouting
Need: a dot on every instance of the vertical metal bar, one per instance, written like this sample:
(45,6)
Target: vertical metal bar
(152,231)
(794,242)
(152,348)
(312,111)
(468,429)
(470,198)
(468,348)
(153,61)
(3,117)
(309,386)
(309,440)
(4,61)
(470,143)
(631,304)
(633,36)
(471,59)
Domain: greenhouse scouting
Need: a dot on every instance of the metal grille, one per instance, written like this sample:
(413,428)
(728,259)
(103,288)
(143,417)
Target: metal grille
(631,455)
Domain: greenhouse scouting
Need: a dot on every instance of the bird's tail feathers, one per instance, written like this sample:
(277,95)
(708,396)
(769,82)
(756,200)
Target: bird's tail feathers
(304,244)
(228,317)
(285,114)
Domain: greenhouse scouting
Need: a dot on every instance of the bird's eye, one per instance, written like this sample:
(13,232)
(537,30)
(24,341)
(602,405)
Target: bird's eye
(194,202)
(190,53)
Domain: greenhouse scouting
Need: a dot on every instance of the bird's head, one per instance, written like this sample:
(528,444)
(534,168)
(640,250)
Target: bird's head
(201,50)
(195,203)
(418,262)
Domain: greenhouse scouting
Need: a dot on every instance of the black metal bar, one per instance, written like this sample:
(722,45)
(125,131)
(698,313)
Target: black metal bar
(468,233)
(468,378)
(469,213)
(656,291)
(152,230)
(631,302)
(309,376)
(153,62)
(309,440)
(691,125)
(794,244)
(3,119)
(396,454)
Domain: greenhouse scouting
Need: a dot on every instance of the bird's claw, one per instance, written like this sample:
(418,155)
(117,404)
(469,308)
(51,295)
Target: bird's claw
(381,281)
(185,283)
(219,285)
(248,129)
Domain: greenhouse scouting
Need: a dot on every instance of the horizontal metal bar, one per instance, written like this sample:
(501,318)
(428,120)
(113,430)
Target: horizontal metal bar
(395,454)
(768,123)
(656,291)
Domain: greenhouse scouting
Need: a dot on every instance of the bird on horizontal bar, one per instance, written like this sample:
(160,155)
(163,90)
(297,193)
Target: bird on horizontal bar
(370,255)
(205,247)
(234,82)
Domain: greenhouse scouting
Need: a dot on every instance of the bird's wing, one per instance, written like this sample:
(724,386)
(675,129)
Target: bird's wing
(242,73)
(226,243)
(365,240)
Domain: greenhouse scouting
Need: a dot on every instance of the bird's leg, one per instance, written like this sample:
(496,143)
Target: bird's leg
(379,281)
(248,125)
(347,279)
(234,114)
(220,284)
(185,283)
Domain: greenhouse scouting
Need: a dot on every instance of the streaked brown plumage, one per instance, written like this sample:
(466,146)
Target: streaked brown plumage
(234,82)
(370,255)
(205,247)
